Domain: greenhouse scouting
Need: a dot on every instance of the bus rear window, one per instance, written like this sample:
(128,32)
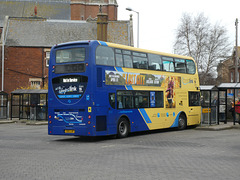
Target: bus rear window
(70,55)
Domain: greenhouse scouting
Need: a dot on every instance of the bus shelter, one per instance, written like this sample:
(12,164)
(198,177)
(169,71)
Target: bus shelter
(232,99)
(3,105)
(30,104)
(210,105)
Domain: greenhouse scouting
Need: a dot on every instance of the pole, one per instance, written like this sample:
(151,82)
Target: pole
(138,29)
(3,44)
(236,58)
(130,9)
(236,69)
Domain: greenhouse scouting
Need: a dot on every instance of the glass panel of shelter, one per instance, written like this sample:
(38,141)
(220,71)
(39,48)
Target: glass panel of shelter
(214,107)
(237,107)
(25,107)
(42,107)
(209,107)
(3,105)
(15,105)
(222,106)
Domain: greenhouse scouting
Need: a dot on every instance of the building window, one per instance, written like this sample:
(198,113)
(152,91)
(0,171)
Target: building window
(35,83)
(231,77)
(47,56)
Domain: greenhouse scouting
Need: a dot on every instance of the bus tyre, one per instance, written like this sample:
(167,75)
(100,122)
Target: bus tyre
(182,122)
(123,128)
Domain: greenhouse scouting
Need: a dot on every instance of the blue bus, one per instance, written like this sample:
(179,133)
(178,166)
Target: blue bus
(99,88)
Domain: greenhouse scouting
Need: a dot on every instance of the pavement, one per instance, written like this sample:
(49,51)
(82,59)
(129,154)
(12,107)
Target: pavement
(24,121)
(218,127)
(205,127)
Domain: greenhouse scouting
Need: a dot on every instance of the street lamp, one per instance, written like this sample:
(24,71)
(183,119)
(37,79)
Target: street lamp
(130,9)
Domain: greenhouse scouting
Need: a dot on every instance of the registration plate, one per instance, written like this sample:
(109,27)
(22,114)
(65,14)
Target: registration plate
(69,131)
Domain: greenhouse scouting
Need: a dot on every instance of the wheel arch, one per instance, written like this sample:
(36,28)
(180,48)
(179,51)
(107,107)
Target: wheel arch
(125,117)
(123,126)
(176,121)
(183,114)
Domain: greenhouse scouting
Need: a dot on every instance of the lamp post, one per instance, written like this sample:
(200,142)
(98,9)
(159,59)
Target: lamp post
(236,58)
(3,44)
(130,9)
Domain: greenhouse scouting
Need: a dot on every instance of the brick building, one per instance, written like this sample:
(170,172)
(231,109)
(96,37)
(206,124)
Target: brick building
(223,71)
(28,39)
(58,9)
(226,69)
(83,9)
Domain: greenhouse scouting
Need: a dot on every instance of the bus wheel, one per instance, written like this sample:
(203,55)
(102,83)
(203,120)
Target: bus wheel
(123,128)
(182,122)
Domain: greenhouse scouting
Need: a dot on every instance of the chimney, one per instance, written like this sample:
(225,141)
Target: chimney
(102,22)
(35,10)
(131,43)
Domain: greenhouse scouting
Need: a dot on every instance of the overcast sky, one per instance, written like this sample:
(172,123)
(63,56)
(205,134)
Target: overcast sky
(159,19)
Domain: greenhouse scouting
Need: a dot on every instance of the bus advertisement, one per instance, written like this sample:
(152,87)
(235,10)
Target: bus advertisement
(99,88)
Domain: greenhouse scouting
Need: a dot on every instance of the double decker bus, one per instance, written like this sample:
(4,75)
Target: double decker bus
(99,88)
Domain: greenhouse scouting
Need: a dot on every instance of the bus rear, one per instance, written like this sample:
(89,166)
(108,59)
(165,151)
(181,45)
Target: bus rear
(69,90)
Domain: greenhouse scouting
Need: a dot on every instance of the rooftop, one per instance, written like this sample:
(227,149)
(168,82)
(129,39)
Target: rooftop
(50,9)
(41,32)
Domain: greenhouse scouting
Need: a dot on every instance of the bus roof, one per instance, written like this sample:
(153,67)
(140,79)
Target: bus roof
(109,44)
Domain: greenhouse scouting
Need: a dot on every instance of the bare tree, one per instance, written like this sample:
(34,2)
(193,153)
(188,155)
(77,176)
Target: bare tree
(206,43)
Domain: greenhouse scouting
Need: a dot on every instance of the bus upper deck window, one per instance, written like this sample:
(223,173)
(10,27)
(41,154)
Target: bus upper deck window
(127,61)
(105,56)
(119,60)
(191,68)
(168,64)
(155,62)
(180,66)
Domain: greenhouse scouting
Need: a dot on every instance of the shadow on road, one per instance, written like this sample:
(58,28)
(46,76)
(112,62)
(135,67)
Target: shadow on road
(86,139)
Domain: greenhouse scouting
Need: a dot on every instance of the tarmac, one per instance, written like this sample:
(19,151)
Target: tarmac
(206,127)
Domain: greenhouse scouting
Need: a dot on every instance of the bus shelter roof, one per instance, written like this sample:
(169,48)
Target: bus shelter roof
(208,88)
(30,91)
(229,86)
(3,93)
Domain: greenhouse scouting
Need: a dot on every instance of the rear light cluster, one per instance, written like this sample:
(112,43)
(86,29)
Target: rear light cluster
(49,117)
(89,117)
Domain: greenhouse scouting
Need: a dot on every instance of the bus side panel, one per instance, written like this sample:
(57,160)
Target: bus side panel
(194,117)
(136,120)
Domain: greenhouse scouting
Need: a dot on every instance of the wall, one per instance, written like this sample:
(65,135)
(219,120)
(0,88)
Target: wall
(22,63)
